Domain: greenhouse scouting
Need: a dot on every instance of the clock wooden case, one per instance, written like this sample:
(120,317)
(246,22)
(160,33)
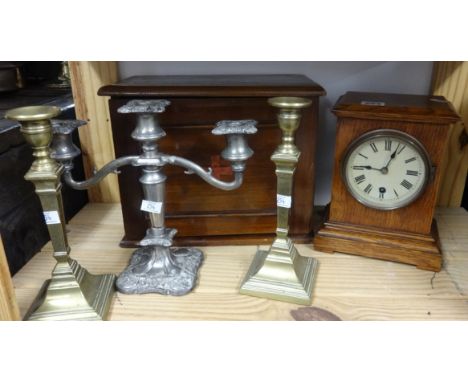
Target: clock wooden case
(406,232)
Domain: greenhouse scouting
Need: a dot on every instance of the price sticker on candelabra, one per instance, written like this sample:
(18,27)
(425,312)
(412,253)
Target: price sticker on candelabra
(51,217)
(149,206)
(283,201)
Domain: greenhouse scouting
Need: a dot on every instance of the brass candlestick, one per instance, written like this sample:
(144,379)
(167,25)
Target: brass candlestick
(63,79)
(72,293)
(281,273)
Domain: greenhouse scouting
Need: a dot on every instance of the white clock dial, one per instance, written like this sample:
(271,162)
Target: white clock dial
(386,169)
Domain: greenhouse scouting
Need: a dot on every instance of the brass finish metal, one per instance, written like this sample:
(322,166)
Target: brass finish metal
(63,79)
(281,273)
(72,293)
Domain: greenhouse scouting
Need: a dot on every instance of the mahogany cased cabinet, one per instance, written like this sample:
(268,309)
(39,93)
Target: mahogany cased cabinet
(204,215)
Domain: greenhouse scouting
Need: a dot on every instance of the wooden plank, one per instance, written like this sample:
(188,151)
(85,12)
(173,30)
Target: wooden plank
(8,306)
(450,79)
(96,137)
(352,287)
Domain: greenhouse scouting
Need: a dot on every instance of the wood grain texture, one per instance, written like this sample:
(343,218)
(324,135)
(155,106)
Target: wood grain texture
(420,250)
(351,287)
(344,208)
(231,85)
(395,107)
(450,79)
(8,306)
(404,234)
(96,137)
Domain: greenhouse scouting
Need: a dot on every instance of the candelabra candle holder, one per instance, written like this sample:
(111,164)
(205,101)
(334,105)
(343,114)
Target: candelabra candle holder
(72,293)
(157,266)
(281,273)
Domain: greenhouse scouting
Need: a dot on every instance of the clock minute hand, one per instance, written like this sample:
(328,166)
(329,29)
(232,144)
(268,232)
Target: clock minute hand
(391,158)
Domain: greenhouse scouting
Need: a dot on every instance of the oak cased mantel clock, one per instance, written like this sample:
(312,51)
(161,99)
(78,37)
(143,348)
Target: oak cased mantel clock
(389,148)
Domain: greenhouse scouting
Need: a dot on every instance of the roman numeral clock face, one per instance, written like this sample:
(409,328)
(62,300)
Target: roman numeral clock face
(386,169)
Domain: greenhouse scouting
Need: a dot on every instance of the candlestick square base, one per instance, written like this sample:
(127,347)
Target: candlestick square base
(279,276)
(73,294)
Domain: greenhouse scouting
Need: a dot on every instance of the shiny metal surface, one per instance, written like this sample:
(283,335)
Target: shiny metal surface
(62,147)
(33,114)
(205,175)
(72,293)
(66,126)
(153,182)
(99,175)
(237,150)
(157,267)
(164,270)
(281,273)
(147,128)
(242,126)
(144,106)
(63,79)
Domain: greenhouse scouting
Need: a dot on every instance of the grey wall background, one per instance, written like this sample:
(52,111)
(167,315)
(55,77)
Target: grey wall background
(335,77)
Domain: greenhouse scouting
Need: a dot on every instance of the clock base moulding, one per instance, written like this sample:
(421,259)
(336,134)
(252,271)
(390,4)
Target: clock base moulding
(420,250)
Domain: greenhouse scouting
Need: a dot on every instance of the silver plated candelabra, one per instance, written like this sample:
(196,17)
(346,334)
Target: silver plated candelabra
(157,266)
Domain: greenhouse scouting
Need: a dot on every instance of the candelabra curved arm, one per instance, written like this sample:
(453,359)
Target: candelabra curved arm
(99,175)
(205,175)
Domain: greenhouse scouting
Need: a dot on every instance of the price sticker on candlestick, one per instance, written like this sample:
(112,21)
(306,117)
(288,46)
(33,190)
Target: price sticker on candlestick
(283,201)
(150,206)
(51,217)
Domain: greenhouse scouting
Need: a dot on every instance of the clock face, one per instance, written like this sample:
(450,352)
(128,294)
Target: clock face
(386,169)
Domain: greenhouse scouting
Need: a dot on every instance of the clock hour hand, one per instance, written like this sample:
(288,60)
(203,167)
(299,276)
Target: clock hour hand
(365,167)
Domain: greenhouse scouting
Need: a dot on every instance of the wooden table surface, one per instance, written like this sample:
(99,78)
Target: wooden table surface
(351,287)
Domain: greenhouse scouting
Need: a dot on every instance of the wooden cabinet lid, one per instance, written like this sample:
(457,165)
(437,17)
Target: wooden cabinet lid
(214,86)
(383,106)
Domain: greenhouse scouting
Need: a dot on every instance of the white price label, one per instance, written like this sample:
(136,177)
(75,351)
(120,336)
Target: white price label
(149,206)
(283,201)
(51,217)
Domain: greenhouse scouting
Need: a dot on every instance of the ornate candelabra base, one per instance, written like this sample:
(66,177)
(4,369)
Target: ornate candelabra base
(157,267)
(281,274)
(73,294)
